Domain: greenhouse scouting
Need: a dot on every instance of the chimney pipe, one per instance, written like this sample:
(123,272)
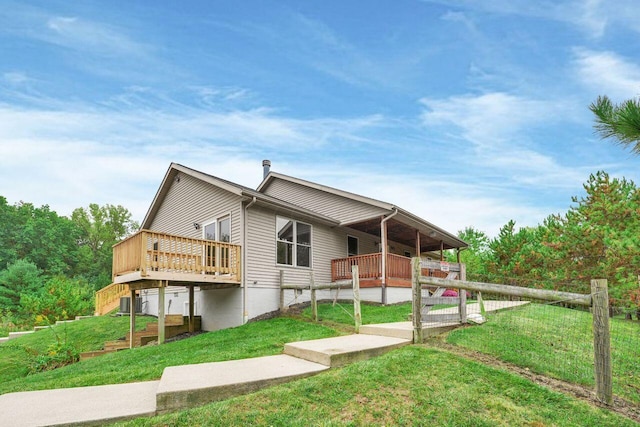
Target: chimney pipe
(266,167)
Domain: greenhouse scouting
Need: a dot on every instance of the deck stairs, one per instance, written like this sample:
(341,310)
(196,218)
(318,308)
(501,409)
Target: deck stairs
(175,324)
(108,298)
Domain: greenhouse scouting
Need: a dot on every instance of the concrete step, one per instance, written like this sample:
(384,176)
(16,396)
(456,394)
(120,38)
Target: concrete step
(193,385)
(404,330)
(94,405)
(340,351)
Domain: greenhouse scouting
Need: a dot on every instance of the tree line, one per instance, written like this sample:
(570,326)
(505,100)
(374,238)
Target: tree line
(51,265)
(598,237)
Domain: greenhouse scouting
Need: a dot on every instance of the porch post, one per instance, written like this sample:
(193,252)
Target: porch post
(192,325)
(132,317)
(161,312)
(441,250)
(418,243)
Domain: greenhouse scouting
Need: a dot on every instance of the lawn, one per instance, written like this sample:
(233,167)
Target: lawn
(371,313)
(147,363)
(550,340)
(86,335)
(413,385)
(557,342)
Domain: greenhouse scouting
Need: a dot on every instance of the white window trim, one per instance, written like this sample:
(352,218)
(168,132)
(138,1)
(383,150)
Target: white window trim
(216,221)
(295,244)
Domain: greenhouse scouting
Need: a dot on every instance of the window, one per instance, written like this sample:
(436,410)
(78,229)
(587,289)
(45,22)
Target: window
(293,242)
(352,246)
(219,230)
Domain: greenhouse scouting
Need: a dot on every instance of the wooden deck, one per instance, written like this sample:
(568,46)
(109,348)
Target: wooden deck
(398,270)
(149,256)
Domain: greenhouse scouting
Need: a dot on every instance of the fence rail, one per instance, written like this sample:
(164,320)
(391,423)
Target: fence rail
(598,301)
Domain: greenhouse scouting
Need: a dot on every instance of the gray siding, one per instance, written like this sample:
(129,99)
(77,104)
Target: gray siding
(192,200)
(341,208)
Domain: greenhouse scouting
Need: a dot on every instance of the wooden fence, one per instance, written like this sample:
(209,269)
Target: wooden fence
(313,287)
(598,300)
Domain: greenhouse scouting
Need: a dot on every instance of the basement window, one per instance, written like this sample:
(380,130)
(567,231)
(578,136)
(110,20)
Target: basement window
(293,242)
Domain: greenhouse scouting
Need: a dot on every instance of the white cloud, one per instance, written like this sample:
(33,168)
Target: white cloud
(488,119)
(607,73)
(494,129)
(591,16)
(72,157)
(90,37)
(15,78)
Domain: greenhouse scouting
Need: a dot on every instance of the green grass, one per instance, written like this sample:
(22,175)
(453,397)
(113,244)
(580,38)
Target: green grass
(147,363)
(85,335)
(371,313)
(557,342)
(410,386)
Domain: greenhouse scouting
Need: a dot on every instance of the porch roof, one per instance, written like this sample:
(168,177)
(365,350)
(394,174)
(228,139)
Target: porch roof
(403,228)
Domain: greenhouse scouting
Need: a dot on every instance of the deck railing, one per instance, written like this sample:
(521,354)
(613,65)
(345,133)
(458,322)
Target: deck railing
(149,251)
(398,267)
(108,297)
(370,266)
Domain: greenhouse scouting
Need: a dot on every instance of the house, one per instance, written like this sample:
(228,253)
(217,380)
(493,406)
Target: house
(214,248)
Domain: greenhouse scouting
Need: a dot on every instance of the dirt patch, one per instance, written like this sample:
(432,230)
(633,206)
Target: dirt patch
(586,394)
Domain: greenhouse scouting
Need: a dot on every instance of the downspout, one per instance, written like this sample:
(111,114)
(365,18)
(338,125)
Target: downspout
(245,313)
(383,238)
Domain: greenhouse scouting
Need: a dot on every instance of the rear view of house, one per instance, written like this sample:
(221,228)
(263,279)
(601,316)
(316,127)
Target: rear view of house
(217,249)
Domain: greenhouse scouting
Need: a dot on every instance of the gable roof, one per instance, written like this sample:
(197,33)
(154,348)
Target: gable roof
(401,216)
(363,199)
(371,224)
(237,189)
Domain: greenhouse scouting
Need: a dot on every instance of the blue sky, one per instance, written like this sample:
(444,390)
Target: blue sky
(463,112)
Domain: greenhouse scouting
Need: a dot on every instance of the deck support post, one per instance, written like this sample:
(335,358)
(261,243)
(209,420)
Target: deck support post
(161,331)
(132,317)
(192,325)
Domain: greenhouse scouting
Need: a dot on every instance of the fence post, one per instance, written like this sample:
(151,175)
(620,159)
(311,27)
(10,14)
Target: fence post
(601,341)
(314,301)
(357,314)
(416,291)
(462,305)
(282,307)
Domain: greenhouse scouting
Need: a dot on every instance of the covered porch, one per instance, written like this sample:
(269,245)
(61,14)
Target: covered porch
(401,235)
(398,270)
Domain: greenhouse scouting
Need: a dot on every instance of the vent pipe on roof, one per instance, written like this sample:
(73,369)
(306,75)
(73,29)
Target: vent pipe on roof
(266,167)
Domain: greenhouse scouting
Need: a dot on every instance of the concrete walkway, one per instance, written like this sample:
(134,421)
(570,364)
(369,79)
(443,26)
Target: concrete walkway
(193,385)
(80,405)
